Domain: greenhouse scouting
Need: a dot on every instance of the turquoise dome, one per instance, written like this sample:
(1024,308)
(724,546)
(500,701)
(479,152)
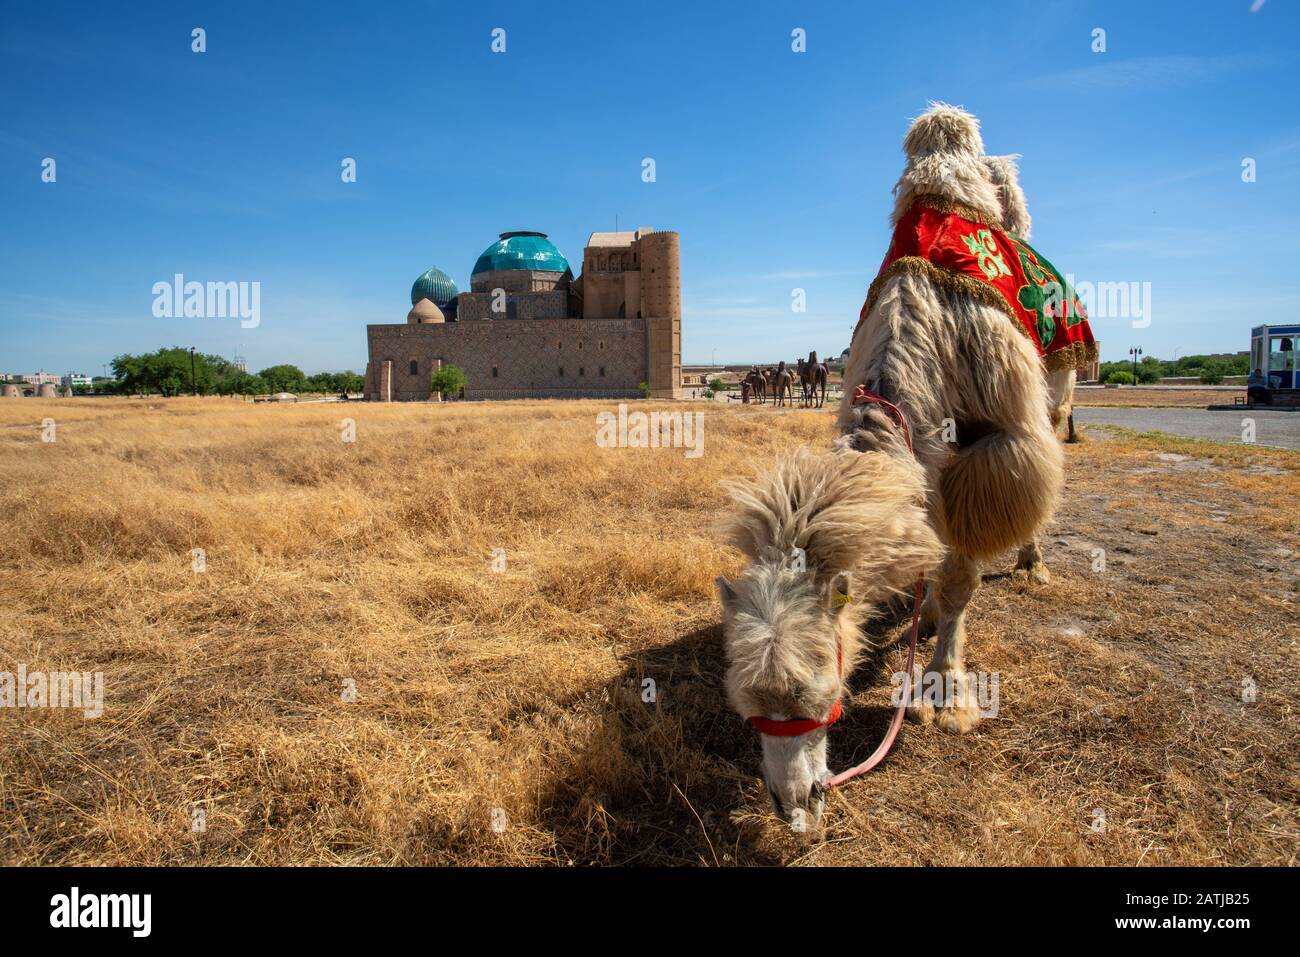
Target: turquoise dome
(434,285)
(522,250)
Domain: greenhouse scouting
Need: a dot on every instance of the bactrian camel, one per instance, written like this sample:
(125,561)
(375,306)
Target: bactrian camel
(951,333)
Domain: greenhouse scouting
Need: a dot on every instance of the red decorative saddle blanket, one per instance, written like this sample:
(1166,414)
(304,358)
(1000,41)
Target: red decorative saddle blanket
(955,247)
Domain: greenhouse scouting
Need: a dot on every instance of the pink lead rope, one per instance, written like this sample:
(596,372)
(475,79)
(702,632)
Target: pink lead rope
(879,754)
(863,395)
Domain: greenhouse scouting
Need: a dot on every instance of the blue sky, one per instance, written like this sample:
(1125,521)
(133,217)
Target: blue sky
(775,167)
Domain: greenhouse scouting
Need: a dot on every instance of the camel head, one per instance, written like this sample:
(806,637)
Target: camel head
(782,627)
(945,158)
(827,535)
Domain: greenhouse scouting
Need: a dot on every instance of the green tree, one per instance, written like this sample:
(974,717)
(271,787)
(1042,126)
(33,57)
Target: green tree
(448,380)
(128,373)
(166,371)
(1150,369)
(283,378)
(644,388)
(1119,377)
(335,382)
(1212,372)
(252,385)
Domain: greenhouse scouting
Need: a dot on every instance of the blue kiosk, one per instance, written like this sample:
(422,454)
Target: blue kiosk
(1273,350)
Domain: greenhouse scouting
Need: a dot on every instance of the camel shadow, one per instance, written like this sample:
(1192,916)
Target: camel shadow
(671,774)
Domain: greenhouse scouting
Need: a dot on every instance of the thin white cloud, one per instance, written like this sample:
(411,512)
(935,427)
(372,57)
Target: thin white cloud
(1148,72)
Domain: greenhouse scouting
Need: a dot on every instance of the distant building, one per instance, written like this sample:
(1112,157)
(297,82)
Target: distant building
(42,378)
(528,329)
(71,379)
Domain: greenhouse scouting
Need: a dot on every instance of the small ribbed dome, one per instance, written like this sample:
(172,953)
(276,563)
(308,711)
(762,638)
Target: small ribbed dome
(522,250)
(425,311)
(434,285)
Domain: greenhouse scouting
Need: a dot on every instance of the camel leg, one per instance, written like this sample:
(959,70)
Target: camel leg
(929,623)
(1072,437)
(1030,561)
(945,693)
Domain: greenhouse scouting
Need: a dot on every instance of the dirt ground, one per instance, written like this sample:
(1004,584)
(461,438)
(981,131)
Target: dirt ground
(1154,398)
(356,675)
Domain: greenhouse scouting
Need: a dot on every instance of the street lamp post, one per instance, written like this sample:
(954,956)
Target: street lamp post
(1136,353)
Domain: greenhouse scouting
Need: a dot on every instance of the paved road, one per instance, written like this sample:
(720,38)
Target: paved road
(1271,428)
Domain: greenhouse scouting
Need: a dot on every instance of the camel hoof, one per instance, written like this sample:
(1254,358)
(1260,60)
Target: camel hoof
(947,699)
(958,719)
(1036,573)
(919,710)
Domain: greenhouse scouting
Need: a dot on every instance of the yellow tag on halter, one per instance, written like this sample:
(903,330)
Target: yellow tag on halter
(843,599)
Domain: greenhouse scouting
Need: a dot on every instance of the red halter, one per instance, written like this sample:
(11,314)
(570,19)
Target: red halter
(796,726)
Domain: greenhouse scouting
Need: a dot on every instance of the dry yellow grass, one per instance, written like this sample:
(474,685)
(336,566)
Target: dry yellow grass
(1138,397)
(329,561)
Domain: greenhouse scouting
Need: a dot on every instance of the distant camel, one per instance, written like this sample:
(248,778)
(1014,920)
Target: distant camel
(782,384)
(812,374)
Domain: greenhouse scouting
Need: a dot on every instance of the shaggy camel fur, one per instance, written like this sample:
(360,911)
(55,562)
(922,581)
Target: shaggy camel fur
(803,526)
(1060,382)
(873,514)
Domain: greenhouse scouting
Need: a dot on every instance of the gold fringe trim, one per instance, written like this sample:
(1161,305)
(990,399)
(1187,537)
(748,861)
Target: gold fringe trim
(1077,355)
(955,282)
(952,208)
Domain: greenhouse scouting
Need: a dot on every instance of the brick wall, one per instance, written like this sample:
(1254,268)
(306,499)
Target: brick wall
(528,305)
(528,357)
